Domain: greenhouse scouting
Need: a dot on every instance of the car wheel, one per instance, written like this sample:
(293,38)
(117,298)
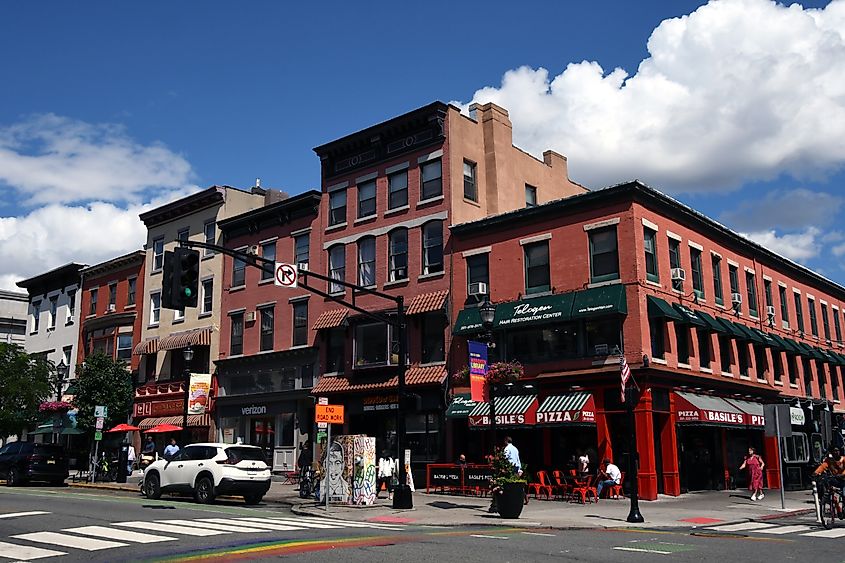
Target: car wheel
(12,479)
(204,492)
(253,499)
(152,486)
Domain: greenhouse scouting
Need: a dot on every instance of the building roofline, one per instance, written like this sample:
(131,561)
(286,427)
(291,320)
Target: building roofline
(120,262)
(61,274)
(305,200)
(13,295)
(189,204)
(638,191)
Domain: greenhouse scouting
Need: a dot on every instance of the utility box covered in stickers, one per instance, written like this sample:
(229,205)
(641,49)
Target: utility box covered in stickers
(349,474)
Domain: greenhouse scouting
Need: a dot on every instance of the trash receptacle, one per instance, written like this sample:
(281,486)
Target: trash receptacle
(122,463)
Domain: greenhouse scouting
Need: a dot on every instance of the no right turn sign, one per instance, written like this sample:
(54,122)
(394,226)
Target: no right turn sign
(285,275)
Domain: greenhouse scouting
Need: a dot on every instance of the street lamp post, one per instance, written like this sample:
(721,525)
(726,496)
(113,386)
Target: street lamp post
(487,312)
(188,355)
(634,513)
(61,372)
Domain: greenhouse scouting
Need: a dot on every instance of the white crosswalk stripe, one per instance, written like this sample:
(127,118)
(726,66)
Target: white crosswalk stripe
(169,528)
(834,533)
(785,530)
(206,525)
(350,524)
(64,540)
(307,524)
(269,524)
(811,529)
(25,552)
(742,527)
(120,535)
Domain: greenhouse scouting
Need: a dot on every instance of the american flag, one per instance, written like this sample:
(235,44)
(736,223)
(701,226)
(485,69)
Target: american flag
(626,373)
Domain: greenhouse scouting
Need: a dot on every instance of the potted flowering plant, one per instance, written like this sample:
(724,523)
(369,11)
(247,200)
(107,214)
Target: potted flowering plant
(55,407)
(507,486)
(504,372)
(461,377)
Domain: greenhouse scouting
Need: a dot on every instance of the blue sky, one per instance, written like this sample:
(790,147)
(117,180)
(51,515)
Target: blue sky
(735,107)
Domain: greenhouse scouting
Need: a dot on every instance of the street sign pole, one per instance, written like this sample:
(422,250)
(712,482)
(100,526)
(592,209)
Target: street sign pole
(326,468)
(780,458)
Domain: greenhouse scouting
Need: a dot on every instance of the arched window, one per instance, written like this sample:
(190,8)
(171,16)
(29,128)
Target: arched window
(432,247)
(397,253)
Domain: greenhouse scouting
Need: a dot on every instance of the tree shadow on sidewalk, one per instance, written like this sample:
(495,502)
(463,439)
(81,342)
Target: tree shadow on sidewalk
(444,505)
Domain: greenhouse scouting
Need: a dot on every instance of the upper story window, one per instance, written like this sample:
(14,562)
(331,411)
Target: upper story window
(155,308)
(733,276)
(207,296)
(433,338)
(183,235)
(825,322)
(537,274)
(675,261)
(209,229)
(397,250)
(811,307)
(36,315)
(751,290)
(836,327)
(784,306)
(238,272)
(530,196)
(716,264)
(478,271)
(470,183)
(54,304)
(431,177)
(367,199)
(301,245)
(799,312)
(268,252)
(71,306)
(236,338)
(300,323)
(92,306)
(373,342)
(124,347)
(397,187)
(178,315)
(131,288)
(652,272)
(367,261)
(112,295)
(432,247)
(337,207)
(267,328)
(767,293)
(697,274)
(337,267)
(604,255)
(158,254)
(335,350)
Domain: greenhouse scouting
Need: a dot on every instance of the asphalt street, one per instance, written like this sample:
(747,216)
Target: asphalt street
(62,524)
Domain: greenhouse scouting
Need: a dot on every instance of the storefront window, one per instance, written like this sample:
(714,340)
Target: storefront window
(742,357)
(703,348)
(761,361)
(335,350)
(286,430)
(422,431)
(603,335)
(682,340)
(657,331)
(371,344)
(433,338)
(543,344)
(725,353)
(795,448)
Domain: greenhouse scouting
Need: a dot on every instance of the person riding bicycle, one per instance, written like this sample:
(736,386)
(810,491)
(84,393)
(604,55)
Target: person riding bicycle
(835,464)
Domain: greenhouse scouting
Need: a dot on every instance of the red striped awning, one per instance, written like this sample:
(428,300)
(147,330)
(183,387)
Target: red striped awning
(428,302)
(331,319)
(416,376)
(195,337)
(148,346)
(198,420)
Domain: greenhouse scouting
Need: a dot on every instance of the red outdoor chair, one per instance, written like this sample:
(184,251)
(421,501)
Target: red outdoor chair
(583,488)
(542,485)
(563,486)
(615,491)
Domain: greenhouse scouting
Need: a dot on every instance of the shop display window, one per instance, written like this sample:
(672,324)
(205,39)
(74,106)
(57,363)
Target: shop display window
(657,331)
(603,335)
(543,344)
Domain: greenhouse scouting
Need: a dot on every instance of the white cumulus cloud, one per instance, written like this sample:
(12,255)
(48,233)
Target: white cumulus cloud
(738,90)
(800,247)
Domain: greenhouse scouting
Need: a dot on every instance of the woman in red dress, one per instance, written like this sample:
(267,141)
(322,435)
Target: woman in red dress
(754,464)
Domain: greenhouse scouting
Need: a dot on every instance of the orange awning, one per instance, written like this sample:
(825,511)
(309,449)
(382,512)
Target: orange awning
(148,346)
(427,302)
(195,337)
(416,376)
(331,319)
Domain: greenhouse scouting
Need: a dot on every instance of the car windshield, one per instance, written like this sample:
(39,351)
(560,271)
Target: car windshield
(236,455)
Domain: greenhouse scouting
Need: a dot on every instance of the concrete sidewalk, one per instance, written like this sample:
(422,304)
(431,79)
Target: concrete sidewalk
(689,510)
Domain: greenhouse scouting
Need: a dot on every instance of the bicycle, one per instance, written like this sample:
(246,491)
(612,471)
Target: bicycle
(832,504)
(105,469)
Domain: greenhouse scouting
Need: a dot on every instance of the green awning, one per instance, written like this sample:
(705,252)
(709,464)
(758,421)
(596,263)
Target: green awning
(733,329)
(658,308)
(65,431)
(460,406)
(783,344)
(750,335)
(540,310)
(794,347)
(811,352)
(468,322)
(72,389)
(840,359)
(828,357)
(606,300)
(768,339)
(713,324)
(690,317)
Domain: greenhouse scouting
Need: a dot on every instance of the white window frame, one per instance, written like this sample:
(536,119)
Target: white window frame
(155,312)
(158,257)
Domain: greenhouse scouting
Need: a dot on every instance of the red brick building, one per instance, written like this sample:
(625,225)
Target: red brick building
(706,319)
(268,362)
(389,194)
(111,308)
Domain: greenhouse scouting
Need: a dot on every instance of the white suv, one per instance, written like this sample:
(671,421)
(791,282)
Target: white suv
(208,470)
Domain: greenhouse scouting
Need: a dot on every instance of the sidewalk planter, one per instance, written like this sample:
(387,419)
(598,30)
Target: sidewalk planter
(510,500)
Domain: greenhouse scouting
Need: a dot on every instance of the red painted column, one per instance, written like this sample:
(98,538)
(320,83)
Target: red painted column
(724,437)
(669,449)
(770,458)
(604,447)
(645,447)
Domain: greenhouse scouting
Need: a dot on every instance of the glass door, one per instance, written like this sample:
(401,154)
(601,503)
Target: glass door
(262,433)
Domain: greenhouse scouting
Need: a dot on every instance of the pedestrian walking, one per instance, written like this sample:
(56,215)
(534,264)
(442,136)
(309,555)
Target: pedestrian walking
(386,469)
(754,464)
(130,459)
(512,453)
(583,464)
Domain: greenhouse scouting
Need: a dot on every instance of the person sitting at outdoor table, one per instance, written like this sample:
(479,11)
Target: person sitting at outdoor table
(609,477)
(462,461)
(583,464)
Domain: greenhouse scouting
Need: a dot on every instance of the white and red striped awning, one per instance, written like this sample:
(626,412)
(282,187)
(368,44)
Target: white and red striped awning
(692,407)
(198,420)
(572,407)
(148,346)
(195,337)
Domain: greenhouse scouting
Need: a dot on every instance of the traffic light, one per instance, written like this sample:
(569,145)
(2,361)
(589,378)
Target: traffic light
(167,281)
(180,281)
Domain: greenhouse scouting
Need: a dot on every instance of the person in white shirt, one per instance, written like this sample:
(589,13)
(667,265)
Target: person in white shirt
(583,464)
(386,469)
(512,453)
(611,476)
(171,450)
(130,459)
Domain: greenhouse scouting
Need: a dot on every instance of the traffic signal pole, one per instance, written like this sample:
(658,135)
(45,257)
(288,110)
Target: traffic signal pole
(402,497)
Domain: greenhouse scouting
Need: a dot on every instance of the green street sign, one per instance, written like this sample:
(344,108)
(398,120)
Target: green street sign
(98,435)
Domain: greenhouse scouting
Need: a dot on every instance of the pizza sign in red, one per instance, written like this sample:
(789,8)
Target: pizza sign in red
(285,275)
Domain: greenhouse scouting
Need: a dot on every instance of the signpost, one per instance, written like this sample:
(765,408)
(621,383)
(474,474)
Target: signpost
(285,275)
(100,413)
(777,424)
(328,414)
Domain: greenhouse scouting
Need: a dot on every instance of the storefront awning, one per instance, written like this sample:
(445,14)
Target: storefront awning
(768,339)
(733,330)
(713,324)
(828,356)
(840,359)
(416,376)
(512,410)
(148,346)
(690,317)
(195,337)
(692,407)
(753,411)
(540,310)
(659,309)
(198,420)
(782,344)
(468,322)
(793,346)
(811,352)
(605,300)
(427,302)
(461,406)
(331,319)
(569,408)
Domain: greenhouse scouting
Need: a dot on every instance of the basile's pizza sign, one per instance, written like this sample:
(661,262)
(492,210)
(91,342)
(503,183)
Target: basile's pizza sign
(565,416)
(701,415)
(501,420)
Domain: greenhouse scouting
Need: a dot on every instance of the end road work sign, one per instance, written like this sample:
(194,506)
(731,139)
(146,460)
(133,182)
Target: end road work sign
(333,414)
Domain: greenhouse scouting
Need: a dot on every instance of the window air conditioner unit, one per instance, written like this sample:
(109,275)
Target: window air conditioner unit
(601,350)
(770,311)
(249,316)
(302,266)
(253,250)
(478,288)
(736,298)
(110,308)
(678,274)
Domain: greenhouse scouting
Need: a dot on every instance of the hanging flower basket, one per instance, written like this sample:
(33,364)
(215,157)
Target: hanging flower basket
(461,377)
(55,407)
(504,372)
